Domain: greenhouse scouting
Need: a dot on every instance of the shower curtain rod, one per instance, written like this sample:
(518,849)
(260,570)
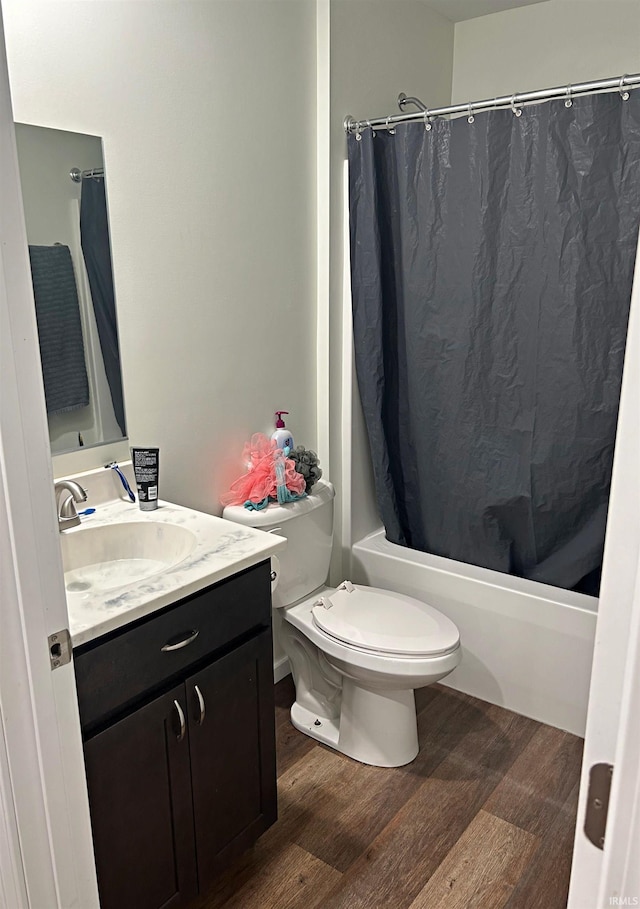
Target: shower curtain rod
(568,92)
(78,175)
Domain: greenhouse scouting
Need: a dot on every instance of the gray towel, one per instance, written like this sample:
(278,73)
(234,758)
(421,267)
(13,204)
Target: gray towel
(59,328)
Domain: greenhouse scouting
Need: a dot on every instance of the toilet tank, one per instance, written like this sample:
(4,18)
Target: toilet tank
(307,525)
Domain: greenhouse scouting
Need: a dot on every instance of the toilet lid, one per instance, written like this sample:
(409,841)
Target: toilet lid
(379,620)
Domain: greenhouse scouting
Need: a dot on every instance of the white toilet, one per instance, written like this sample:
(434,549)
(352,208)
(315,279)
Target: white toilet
(356,653)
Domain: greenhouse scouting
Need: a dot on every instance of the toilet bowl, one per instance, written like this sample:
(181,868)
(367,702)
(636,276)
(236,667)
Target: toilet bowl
(356,653)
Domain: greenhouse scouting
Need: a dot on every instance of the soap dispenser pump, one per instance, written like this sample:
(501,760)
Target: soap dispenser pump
(282,436)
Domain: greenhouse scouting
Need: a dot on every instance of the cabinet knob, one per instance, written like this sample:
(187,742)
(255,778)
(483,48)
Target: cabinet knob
(181,642)
(201,705)
(183,725)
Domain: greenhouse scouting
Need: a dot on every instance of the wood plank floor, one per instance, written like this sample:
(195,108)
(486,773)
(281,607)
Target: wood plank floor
(482,819)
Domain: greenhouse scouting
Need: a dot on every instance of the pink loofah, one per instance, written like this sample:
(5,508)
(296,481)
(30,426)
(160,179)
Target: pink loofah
(259,482)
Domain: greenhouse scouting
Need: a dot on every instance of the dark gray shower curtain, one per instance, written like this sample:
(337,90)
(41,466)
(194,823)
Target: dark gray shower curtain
(96,250)
(492,265)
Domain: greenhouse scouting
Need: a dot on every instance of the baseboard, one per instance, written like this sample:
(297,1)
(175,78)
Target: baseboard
(281,669)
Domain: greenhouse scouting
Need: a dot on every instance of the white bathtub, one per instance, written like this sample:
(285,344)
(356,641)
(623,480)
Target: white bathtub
(526,646)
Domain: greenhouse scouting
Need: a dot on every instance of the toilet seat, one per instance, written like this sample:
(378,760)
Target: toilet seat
(380,621)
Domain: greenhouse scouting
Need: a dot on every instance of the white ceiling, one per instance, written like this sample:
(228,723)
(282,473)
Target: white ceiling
(458,10)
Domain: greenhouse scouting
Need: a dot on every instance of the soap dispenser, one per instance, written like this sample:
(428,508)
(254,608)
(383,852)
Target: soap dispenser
(282,436)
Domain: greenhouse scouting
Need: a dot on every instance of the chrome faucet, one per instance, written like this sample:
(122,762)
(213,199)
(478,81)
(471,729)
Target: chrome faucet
(67,514)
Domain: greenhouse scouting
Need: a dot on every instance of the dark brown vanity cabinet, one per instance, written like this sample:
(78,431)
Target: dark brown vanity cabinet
(183,778)
(141,809)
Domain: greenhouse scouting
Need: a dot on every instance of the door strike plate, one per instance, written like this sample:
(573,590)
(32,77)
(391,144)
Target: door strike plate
(59,648)
(595,820)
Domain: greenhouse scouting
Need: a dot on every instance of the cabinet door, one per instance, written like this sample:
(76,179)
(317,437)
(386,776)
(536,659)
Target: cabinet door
(232,741)
(141,812)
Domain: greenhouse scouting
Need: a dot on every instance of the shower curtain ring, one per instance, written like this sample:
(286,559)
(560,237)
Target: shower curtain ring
(568,100)
(390,129)
(470,118)
(373,132)
(516,110)
(624,94)
(358,132)
(427,120)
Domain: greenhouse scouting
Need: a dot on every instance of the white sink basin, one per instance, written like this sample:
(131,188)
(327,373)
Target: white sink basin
(114,555)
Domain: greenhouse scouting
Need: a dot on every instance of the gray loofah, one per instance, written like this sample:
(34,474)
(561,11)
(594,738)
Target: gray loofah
(307,464)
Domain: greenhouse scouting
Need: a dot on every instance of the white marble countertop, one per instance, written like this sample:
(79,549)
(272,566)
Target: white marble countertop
(221,549)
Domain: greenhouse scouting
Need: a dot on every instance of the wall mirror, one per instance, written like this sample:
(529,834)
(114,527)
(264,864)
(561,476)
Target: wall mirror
(64,195)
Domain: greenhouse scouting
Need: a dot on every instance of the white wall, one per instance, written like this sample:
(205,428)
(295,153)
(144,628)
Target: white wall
(207,110)
(378,49)
(544,45)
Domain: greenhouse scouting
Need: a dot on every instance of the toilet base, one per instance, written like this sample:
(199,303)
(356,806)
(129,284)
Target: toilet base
(375,727)
(319,728)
